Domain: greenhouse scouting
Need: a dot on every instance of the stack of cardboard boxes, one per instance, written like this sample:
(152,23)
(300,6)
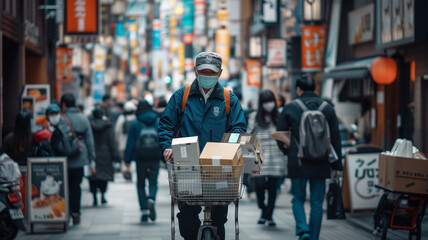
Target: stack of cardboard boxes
(215,173)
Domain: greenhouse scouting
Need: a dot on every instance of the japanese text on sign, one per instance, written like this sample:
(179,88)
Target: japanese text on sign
(313,41)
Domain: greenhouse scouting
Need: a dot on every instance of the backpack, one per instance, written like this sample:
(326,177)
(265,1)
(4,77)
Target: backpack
(126,125)
(314,134)
(226,99)
(65,144)
(147,146)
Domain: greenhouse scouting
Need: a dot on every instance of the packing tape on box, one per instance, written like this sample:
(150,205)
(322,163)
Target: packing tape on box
(183,152)
(216,160)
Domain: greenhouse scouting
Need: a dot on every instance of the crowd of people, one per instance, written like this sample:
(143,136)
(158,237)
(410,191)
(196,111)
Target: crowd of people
(142,131)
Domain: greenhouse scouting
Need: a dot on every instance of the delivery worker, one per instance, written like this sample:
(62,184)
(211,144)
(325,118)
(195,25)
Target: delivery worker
(204,116)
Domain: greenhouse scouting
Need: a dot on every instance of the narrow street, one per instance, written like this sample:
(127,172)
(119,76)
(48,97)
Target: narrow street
(120,219)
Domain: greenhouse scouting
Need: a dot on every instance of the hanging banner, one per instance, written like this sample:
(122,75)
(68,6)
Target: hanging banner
(63,64)
(254,72)
(98,87)
(81,17)
(222,45)
(47,190)
(277,49)
(313,41)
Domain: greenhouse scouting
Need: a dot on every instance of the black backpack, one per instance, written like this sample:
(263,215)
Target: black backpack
(147,147)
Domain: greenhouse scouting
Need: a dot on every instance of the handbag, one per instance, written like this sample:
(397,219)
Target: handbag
(335,209)
(66,144)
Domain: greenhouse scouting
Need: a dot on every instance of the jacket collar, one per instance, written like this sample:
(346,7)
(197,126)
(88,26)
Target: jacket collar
(72,109)
(308,94)
(217,93)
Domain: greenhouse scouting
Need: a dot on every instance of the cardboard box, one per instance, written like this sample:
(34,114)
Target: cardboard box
(186,151)
(221,166)
(250,150)
(403,174)
(186,166)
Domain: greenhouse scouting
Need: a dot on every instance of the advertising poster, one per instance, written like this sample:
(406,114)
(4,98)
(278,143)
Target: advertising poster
(98,87)
(277,51)
(63,64)
(254,72)
(27,103)
(362,172)
(47,183)
(42,96)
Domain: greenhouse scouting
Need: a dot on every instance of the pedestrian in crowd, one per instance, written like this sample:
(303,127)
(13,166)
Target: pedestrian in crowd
(19,144)
(201,114)
(106,106)
(263,122)
(106,153)
(74,120)
(122,127)
(143,147)
(302,170)
(249,110)
(160,105)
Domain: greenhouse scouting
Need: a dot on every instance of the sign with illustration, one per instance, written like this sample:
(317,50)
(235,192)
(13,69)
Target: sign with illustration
(42,95)
(47,190)
(313,41)
(362,171)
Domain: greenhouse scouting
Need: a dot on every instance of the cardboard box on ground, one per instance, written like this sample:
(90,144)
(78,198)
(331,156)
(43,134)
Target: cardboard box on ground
(221,166)
(251,150)
(403,174)
(187,172)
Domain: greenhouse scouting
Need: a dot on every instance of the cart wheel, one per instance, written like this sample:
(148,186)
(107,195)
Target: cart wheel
(207,235)
(384,226)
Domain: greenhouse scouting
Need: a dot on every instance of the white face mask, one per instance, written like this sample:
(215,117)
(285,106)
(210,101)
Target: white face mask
(54,119)
(269,106)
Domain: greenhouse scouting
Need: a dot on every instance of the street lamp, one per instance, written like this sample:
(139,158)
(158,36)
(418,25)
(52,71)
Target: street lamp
(313,10)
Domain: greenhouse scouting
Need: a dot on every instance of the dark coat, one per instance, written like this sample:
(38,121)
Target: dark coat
(149,118)
(105,148)
(290,120)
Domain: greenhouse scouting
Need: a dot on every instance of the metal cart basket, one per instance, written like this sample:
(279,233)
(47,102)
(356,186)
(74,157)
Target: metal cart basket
(205,186)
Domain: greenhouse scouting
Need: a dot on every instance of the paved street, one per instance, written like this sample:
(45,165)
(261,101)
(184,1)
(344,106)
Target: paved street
(120,219)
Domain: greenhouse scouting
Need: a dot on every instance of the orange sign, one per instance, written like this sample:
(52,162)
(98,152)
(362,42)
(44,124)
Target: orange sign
(63,64)
(313,41)
(254,72)
(81,16)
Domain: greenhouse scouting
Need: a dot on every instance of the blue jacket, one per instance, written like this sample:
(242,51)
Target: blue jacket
(200,119)
(149,118)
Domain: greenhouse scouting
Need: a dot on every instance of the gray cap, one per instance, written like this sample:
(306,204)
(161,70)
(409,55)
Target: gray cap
(208,60)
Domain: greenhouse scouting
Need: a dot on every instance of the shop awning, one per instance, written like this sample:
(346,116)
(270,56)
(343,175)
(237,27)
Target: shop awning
(351,70)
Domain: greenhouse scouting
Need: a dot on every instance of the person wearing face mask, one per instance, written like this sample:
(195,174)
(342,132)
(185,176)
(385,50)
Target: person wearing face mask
(263,122)
(205,116)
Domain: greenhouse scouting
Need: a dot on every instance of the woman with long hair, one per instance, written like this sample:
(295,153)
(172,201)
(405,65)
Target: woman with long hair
(262,123)
(19,144)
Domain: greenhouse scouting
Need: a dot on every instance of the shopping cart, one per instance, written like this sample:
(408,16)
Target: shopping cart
(205,186)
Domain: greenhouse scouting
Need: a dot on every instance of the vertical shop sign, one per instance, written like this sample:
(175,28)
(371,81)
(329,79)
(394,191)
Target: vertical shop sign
(276,53)
(313,41)
(63,64)
(254,72)
(156,26)
(98,87)
(81,17)
(188,15)
(222,45)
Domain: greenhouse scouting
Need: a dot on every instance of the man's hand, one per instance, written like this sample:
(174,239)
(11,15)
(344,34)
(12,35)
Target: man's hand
(92,171)
(167,154)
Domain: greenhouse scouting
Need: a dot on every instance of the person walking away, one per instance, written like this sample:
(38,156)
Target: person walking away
(19,144)
(303,167)
(74,121)
(143,147)
(364,133)
(106,153)
(263,122)
(122,127)
(204,115)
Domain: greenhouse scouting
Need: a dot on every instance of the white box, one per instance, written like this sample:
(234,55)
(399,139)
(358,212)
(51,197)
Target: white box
(186,151)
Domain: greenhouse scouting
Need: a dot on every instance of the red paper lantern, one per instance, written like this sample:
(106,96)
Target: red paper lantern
(384,70)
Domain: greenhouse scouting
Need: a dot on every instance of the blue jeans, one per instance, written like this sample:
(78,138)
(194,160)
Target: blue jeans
(149,171)
(317,192)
